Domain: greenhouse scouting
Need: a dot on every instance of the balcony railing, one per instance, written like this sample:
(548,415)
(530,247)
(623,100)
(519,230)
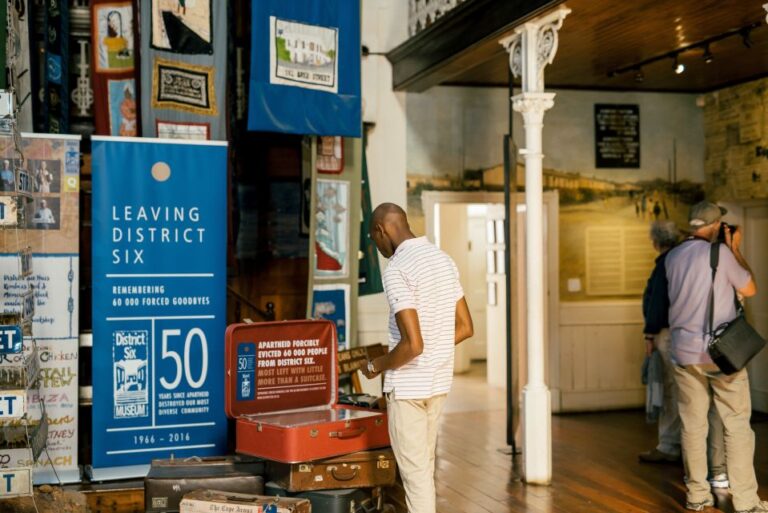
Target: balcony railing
(423,13)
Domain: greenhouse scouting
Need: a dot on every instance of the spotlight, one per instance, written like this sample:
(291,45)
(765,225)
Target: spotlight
(639,76)
(708,57)
(679,66)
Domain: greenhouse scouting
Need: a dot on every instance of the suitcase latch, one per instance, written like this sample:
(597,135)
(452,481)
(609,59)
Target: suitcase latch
(379,421)
(258,427)
(313,433)
(305,468)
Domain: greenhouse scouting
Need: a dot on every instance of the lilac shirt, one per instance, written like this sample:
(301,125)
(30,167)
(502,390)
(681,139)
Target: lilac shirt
(689,276)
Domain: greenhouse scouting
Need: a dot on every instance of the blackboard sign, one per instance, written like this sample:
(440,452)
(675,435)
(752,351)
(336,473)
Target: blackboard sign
(617,135)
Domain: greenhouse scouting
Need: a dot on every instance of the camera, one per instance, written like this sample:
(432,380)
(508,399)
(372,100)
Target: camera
(721,232)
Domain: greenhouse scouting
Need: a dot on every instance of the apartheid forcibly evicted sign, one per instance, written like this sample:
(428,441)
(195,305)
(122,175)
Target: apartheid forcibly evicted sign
(617,136)
(159,301)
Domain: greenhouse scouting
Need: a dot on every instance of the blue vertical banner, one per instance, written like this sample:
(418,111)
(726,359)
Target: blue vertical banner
(159,302)
(305,67)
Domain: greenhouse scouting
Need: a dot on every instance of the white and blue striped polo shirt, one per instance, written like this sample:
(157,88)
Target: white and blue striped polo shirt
(422,277)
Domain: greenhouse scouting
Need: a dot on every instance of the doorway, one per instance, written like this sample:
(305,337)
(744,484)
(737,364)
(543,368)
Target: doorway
(469,227)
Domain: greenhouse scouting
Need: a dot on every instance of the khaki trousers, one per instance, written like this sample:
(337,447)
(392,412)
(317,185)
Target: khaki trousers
(669,419)
(696,385)
(413,432)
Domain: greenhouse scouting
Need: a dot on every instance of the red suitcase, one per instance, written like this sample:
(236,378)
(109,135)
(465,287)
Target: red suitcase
(281,382)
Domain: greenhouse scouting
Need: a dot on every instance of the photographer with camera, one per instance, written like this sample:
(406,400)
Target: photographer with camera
(688,273)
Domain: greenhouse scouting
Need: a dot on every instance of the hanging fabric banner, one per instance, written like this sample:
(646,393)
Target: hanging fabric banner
(305,67)
(369,271)
(56,76)
(184,69)
(51,221)
(159,302)
(113,73)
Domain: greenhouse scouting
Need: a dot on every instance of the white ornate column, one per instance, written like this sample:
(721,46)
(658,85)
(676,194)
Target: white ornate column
(531,48)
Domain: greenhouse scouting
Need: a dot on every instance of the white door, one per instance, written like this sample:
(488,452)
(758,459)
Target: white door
(476,278)
(756,252)
(496,297)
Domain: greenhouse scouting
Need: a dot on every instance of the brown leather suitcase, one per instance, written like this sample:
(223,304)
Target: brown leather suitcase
(168,480)
(365,469)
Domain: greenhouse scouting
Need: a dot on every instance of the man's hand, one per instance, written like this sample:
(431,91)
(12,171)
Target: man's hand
(366,370)
(732,238)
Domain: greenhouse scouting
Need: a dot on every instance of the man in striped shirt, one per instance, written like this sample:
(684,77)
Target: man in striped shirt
(428,317)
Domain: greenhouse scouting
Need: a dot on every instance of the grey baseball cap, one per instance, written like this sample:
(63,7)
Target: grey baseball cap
(704,213)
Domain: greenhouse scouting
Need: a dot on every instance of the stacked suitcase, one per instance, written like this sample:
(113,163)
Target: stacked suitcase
(281,383)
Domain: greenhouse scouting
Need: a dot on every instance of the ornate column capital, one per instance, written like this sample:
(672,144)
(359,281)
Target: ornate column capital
(533,46)
(533,102)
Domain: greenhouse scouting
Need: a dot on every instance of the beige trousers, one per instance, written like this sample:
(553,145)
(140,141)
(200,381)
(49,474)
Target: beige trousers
(413,432)
(696,385)
(669,419)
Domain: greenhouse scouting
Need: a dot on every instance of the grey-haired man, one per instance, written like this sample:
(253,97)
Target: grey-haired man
(698,378)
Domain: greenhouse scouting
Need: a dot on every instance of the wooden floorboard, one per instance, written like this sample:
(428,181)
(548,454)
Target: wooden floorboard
(595,467)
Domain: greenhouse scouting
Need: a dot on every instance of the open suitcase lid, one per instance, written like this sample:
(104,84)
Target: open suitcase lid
(277,366)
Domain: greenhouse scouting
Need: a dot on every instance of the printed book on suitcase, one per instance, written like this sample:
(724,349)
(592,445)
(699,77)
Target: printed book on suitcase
(281,386)
(366,469)
(217,501)
(170,479)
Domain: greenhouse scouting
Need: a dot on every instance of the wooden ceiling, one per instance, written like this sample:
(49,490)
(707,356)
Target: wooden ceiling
(604,35)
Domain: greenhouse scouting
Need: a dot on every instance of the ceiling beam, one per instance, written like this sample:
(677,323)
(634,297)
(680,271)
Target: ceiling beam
(434,55)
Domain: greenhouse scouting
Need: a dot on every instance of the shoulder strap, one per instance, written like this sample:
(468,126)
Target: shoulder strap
(714,259)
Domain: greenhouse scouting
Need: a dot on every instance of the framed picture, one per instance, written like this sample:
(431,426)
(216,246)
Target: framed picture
(182,26)
(113,48)
(330,155)
(331,302)
(332,229)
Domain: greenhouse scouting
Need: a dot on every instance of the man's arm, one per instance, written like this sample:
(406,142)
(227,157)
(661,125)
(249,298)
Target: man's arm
(410,346)
(733,241)
(464,327)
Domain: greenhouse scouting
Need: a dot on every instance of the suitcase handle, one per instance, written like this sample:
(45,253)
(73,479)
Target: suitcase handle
(347,433)
(344,476)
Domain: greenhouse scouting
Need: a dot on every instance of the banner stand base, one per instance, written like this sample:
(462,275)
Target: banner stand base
(45,475)
(115,473)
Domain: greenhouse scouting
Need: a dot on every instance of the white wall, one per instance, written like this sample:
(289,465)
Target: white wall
(451,129)
(384,27)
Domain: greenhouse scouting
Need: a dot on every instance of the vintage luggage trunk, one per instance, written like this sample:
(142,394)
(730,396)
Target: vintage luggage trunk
(355,500)
(281,386)
(169,480)
(216,501)
(365,469)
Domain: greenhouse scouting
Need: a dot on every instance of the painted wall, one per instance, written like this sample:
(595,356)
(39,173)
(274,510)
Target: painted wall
(383,29)
(452,129)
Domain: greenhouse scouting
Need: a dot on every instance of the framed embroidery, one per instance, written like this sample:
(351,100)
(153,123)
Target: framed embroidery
(184,87)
